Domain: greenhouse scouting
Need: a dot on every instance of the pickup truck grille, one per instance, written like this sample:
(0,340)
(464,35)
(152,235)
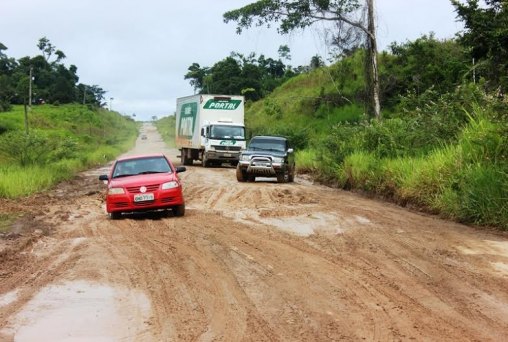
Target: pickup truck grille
(226,148)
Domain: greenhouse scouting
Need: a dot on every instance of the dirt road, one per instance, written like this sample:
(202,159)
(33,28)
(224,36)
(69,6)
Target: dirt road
(248,262)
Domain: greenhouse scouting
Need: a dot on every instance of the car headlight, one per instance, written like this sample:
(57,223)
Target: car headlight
(170,185)
(244,157)
(116,191)
(277,160)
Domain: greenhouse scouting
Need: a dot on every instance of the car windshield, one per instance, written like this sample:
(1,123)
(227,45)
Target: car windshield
(268,145)
(131,167)
(227,132)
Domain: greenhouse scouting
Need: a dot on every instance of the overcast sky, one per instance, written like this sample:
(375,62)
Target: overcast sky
(139,51)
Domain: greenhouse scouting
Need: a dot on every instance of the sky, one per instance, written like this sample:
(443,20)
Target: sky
(139,51)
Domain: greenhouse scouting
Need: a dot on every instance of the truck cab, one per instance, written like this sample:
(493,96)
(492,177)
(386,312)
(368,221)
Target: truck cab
(222,142)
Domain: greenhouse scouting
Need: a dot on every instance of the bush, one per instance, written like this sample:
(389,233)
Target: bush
(483,195)
(25,149)
(360,171)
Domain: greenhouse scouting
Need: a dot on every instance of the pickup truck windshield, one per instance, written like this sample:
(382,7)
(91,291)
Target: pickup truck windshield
(224,132)
(268,145)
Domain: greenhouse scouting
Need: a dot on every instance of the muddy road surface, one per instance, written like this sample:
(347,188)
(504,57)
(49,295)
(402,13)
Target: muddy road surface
(248,262)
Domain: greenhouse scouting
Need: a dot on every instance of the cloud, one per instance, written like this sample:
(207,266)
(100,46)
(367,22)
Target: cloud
(139,51)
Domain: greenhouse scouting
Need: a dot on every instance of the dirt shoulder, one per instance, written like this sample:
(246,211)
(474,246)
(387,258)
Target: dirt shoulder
(255,262)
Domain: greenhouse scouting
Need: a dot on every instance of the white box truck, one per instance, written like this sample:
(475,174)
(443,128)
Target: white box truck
(210,128)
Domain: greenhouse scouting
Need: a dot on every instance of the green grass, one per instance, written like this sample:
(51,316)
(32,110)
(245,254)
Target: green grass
(63,140)
(445,153)
(166,128)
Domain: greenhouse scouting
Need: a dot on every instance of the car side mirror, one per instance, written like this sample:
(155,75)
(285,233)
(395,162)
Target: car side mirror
(180,169)
(290,150)
(104,178)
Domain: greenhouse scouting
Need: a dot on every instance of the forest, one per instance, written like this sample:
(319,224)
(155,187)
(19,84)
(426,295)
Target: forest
(52,82)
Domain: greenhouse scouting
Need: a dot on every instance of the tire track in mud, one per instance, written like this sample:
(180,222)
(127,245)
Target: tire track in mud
(402,267)
(227,272)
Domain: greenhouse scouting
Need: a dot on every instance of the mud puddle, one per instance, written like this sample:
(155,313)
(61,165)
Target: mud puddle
(81,310)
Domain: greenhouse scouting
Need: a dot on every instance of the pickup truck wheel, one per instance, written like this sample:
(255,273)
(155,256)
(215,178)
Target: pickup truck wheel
(283,177)
(291,178)
(179,210)
(240,175)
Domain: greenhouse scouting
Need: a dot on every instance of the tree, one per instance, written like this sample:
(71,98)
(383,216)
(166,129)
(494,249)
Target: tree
(196,74)
(316,62)
(293,15)
(284,52)
(486,37)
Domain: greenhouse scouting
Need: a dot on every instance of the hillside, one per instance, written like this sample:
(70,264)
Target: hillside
(442,149)
(61,140)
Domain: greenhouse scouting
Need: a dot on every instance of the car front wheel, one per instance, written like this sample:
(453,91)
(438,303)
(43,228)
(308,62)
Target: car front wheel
(179,210)
(115,215)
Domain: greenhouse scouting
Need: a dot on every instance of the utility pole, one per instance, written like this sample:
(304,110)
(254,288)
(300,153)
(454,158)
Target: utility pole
(30,89)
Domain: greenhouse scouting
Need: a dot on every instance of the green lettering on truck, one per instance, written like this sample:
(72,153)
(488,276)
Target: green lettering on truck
(187,121)
(222,104)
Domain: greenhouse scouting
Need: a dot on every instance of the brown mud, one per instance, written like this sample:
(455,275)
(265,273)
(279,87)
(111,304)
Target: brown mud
(248,262)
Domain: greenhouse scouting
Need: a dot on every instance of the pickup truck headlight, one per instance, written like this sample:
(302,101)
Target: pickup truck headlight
(244,157)
(116,191)
(277,160)
(170,185)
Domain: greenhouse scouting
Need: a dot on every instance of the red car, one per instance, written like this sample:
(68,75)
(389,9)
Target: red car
(144,183)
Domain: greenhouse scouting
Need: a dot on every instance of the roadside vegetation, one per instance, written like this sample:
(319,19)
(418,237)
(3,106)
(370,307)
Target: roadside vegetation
(61,141)
(441,147)
(441,142)
(166,127)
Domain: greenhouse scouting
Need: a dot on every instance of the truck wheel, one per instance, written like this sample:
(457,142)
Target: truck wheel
(184,159)
(240,175)
(179,210)
(205,162)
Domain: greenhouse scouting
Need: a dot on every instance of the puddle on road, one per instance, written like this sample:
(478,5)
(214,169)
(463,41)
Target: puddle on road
(306,225)
(499,248)
(8,298)
(82,310)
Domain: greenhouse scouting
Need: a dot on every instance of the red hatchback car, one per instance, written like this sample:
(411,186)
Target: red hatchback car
(144,183)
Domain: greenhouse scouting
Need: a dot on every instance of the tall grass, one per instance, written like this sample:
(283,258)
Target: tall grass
(167,128)
(16,181)
(62,141)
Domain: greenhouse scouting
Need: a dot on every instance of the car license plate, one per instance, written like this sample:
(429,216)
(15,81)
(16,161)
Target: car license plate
(227,154)
(143,197)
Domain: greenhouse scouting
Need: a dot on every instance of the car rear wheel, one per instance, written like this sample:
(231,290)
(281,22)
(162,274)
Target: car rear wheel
(179,210)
